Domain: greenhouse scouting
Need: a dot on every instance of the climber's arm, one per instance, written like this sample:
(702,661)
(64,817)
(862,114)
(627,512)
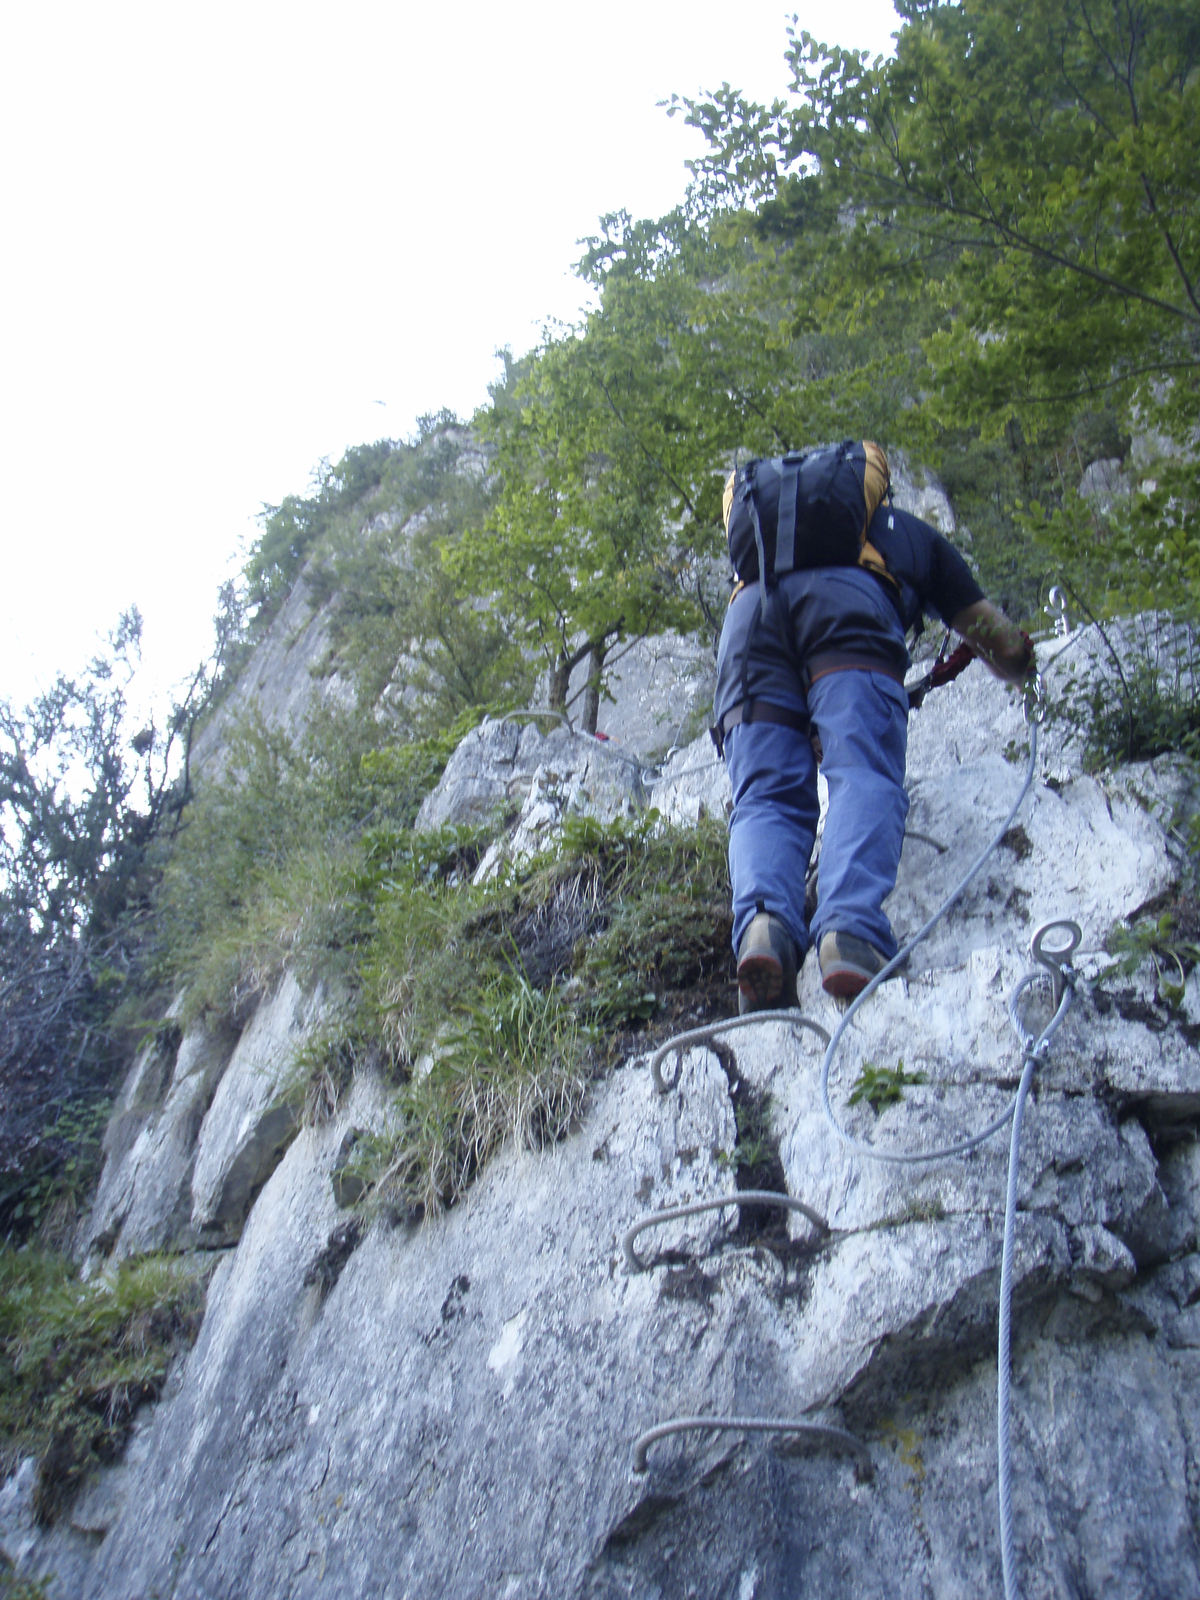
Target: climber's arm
(1000,643)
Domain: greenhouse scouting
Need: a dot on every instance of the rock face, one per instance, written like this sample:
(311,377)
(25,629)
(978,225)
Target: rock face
(201,1124)
(509,766)
(656,691)
(287,675)
(451,1408)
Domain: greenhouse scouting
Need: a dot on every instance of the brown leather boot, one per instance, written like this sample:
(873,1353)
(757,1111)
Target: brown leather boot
(767,966)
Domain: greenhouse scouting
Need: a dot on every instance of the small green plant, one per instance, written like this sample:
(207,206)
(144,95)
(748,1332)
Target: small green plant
(1171,943)
(1138,696)
(665,923)
(15,1587)
(53,1188)
(756,1153)
(882,1086)
(78,1359)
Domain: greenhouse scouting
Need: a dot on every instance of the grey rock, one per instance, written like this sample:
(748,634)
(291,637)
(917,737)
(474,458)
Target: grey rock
(479,1440)
(540,780)
(288,674)
(451,1407)
(197,1131)
(251,1120)
(63,1554)
(144,1199)
(693,784)
(656,691)
(916,490)
(1105,483)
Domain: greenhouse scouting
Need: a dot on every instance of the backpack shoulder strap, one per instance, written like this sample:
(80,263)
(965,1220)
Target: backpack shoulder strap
(873,560)
(785,536)
(747,493)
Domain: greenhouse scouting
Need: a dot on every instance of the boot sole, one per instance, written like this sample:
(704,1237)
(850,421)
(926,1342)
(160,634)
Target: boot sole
(844,983)
(760,982)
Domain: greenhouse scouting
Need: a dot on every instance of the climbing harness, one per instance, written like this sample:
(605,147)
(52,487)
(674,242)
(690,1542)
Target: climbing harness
(1052,958)
(944,670)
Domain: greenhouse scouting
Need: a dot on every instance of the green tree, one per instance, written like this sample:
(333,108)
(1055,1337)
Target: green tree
(83,801)
(613,440)
(1046,149)
(412,636)
(583,549)
(1030,170)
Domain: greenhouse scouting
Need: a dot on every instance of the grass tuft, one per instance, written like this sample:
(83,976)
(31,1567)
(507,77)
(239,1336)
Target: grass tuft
(512,1065)
(78,1359)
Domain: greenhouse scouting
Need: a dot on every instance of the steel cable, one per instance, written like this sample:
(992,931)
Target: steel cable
(1034,1051)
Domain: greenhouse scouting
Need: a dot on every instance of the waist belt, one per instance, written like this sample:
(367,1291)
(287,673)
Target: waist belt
(843,661)
(815,667)
(756,711)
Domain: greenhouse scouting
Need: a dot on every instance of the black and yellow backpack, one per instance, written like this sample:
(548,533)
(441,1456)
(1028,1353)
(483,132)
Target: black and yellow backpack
(806,509)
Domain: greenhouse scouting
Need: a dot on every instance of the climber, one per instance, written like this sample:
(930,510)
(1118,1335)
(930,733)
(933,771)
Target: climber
(832,692)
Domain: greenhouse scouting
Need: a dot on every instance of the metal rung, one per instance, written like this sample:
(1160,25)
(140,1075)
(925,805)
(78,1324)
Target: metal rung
(767,1197)
(684,1041)
(837,1438)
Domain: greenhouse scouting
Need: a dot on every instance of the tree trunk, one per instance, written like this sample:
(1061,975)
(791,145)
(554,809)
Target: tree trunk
(560,682)
(591,694)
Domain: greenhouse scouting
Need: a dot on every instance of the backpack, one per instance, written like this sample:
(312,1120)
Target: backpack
(807,509)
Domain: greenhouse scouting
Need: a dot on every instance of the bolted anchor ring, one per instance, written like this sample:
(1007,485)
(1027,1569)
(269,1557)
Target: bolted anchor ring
(1057,962)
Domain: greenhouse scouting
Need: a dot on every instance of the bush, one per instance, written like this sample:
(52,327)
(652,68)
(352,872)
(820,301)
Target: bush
(1131,689)
(77,1360)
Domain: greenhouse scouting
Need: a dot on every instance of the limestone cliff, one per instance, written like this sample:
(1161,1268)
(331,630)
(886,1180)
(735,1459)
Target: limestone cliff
(450,1406)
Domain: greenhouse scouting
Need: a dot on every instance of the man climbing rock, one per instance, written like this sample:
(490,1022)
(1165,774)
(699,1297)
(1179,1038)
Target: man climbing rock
(818,676)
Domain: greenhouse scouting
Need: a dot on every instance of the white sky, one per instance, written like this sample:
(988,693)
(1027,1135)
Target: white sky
(229,231)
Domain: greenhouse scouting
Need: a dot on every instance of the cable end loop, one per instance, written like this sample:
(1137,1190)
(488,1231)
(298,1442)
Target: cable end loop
(1033,700)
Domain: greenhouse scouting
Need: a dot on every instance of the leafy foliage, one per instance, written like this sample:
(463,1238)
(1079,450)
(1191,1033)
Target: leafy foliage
(268,869)
(419,645)
(72,831)
(84,802)
(77,1360)
(882,1086)
(1044,150)
(1023,178)
(293,528)
(1168,937)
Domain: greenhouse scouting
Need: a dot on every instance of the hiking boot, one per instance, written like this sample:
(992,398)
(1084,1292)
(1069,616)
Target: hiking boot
(848,964)
(766,966)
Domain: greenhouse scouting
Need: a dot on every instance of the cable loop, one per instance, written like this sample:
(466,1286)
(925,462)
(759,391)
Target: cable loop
(1057,610)
(1057,962)
(822,1433)
(741,1197)
(1033,700)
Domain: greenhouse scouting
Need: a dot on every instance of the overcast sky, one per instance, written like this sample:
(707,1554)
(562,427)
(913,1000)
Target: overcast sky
(240,238)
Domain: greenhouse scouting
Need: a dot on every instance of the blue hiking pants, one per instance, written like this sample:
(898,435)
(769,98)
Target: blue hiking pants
(861,718)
